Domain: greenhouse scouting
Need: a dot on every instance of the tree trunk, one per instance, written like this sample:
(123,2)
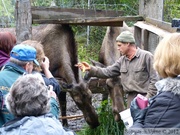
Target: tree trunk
(151,8)
(23,20)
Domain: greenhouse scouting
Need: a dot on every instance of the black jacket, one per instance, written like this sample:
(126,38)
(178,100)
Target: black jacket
(52,81)
(164,110)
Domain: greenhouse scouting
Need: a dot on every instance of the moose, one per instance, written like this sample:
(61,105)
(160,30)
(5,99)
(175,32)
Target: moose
(61,49)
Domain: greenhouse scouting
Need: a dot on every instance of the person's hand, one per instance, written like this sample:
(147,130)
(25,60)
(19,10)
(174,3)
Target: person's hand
(84,66)
(51,93)
(45,63)
(137,114)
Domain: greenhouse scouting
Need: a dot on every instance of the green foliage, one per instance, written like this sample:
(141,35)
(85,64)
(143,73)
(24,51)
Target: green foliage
(82,50)
(6,12)
(108,126)
(87,52)
(90,51)
(41,2)
(172,1)
(171,10)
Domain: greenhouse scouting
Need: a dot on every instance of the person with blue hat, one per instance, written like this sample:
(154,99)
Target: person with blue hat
(21,62)
(24,53)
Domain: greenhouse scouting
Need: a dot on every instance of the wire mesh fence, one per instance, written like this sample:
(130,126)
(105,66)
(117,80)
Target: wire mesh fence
(87,36)
(7,7)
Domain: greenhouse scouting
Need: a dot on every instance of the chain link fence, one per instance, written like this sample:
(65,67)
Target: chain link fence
(89,38)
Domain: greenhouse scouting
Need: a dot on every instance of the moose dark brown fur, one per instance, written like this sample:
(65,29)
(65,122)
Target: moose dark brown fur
(60,47)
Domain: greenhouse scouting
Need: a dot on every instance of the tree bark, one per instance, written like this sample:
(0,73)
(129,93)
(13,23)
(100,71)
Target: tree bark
(151,8)
(23,20)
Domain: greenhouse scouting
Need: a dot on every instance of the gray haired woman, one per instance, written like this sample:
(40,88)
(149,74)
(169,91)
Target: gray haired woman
(28,101)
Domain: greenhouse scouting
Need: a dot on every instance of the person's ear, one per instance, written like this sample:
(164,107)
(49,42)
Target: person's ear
(128,44)
(26,66)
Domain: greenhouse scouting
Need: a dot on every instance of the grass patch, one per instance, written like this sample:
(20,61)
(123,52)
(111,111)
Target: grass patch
(108,126)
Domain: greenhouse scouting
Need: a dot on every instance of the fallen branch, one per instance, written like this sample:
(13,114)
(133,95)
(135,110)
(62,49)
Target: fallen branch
(71,117)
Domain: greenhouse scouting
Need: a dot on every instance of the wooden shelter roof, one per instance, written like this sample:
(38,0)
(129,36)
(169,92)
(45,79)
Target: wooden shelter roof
(44,15)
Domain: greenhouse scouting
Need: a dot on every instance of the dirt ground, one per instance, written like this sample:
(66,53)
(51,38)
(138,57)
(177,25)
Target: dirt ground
(77,124)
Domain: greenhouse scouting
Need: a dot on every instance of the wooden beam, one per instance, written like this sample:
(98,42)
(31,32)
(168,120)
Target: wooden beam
(151,28)
(44,15)
(106,21)
(64,13)
(161,24)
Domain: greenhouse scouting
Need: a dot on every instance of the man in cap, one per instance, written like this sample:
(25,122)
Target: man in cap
(21,62)
(135,67)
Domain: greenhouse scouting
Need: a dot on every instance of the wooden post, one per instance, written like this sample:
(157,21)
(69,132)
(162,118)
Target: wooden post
(151,8)
(23,20)
(147,36)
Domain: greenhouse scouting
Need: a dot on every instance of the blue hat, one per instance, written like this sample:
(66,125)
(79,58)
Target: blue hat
(24,53)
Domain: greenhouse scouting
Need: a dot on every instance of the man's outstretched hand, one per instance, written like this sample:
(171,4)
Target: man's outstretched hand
(84,66)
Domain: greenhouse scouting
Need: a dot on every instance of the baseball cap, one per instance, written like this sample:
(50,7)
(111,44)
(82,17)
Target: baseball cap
(24,52)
